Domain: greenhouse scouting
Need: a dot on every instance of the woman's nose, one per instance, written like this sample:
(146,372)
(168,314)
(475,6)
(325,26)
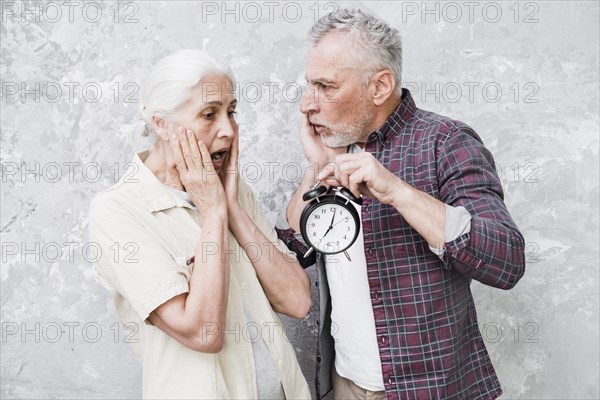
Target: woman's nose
(226,128)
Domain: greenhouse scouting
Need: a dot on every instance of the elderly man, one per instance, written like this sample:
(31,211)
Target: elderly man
(401,312)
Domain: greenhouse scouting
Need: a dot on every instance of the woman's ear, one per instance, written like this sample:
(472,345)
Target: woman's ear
(161,128)
(385,84)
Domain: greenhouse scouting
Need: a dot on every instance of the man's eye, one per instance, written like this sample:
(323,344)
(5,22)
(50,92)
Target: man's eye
(324,86)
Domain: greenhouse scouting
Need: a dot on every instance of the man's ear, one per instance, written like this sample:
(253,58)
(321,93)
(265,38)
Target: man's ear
(161,128)
(384,86)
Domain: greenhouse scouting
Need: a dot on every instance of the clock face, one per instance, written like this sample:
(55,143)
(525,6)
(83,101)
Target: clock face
(330,227)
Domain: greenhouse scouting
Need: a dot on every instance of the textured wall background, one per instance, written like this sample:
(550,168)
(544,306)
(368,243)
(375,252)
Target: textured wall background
(524,75)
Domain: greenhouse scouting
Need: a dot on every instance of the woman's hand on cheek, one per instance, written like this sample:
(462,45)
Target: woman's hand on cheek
(197,173)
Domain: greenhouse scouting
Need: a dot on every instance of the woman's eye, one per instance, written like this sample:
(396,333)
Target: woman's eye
(208,115)
(231,113)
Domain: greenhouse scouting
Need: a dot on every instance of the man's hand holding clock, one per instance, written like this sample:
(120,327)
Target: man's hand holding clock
(363,173)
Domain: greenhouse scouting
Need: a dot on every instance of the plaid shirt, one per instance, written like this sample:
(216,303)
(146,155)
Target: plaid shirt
(425,320)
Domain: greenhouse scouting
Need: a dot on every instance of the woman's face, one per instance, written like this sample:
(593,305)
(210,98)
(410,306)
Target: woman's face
(210,114)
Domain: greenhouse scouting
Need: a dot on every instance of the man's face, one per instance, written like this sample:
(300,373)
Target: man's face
(336,101)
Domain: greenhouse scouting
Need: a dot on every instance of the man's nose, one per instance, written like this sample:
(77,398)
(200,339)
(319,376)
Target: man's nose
(309,103)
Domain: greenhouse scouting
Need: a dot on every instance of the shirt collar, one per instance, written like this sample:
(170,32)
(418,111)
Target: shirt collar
(396,120)
(155,195)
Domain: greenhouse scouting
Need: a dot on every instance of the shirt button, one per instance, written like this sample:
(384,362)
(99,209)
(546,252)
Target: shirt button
(382,339)
(244,286)
(280,363)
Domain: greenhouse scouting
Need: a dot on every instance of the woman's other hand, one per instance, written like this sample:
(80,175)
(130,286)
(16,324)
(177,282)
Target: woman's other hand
(232,177)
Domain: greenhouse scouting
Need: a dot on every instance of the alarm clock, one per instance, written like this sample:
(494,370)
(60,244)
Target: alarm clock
(329,223)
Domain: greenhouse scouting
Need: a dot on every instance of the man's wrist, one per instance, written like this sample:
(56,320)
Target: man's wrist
(402,196)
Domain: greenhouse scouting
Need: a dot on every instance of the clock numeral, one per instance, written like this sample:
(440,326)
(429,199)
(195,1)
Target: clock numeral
(323,211)
(317,216)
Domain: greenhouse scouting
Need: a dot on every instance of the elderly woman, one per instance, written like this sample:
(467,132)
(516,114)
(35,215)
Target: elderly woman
(188,255)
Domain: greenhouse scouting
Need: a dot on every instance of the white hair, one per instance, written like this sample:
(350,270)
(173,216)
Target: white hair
(378,46)
(169,85)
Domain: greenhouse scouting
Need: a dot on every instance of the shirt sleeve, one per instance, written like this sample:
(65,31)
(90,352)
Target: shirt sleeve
(492,251)
(132,260)
(293,240)
(457,223)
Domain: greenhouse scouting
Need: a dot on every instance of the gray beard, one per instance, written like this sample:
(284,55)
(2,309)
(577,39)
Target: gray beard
(350,132)
(349,135)
(338,139)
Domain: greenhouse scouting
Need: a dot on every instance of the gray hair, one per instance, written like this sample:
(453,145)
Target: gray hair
(378,46)
(169,85)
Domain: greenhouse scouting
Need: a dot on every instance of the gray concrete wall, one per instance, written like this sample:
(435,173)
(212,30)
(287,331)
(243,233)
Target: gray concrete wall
(524,75)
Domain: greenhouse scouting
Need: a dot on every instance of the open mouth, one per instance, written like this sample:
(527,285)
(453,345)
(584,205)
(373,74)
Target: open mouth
(218,158)
(319,128)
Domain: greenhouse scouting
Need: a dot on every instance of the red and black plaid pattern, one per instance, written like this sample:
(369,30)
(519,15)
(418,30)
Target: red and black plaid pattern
(425,318)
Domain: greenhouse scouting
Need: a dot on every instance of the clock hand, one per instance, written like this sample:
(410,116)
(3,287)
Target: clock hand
(330,225)
(339,222)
